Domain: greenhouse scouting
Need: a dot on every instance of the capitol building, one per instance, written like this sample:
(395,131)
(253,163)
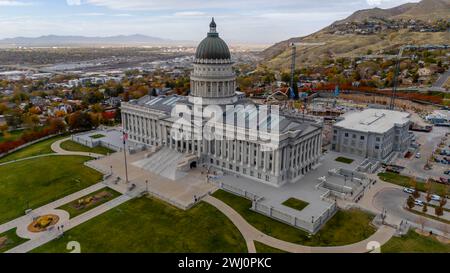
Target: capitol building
(220,128)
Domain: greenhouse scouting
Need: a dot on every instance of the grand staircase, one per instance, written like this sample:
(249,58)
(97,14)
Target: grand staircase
(164,163)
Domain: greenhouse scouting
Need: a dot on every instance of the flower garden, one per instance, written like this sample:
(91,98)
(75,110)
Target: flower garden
(89,201)
(42,223)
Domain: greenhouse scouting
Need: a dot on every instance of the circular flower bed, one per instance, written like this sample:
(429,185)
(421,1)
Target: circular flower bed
(43,222)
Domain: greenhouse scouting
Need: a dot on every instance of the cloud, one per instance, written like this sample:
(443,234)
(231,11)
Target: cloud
(73,2)
(10,3)
(253,21)
(387,2)
(189,13)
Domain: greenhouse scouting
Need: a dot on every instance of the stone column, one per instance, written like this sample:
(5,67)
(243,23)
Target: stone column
(273,161)
(250,156)
(277,162)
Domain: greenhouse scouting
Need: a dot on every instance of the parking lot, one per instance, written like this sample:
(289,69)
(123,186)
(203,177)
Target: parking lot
(429,142)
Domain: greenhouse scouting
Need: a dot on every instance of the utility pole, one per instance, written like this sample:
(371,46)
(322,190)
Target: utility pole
(125,137)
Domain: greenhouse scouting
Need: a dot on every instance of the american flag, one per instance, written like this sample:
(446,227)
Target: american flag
(125,137)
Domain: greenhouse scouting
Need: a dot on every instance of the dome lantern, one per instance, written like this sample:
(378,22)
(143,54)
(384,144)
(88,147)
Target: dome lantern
(213,48)
(212,26)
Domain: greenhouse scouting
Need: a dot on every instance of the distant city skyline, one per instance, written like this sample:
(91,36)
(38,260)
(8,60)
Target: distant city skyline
(249,21)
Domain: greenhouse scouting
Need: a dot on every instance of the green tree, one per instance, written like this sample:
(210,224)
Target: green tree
(410,202)
(439,211)
(286,77)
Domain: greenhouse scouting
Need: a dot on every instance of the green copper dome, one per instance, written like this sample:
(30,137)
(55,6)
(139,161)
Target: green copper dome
(213,47)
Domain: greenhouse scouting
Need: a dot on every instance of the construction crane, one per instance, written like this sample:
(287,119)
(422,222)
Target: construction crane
(293,91)
(395,79)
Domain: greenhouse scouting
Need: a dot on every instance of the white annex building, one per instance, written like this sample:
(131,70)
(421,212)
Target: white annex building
(372,133)
(271,149)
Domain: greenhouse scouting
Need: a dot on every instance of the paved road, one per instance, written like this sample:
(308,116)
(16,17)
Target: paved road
(251,234)
(392,199)
(442,79)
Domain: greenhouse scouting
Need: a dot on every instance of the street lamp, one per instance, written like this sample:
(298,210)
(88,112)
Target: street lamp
(146,186)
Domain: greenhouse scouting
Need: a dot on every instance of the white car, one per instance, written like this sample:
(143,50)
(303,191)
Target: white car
(435,197)
(418,155)
(418,203)
(408,190)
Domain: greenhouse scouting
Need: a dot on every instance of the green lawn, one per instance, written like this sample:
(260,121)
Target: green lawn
(405,181)
(415,243)
(42,147)
(97,136)
(42,180)
(13,135)
(70,145)
(12,240)
(262,248)
(346,227)
(73,211)
(149,226)
(295,203)
(344,160)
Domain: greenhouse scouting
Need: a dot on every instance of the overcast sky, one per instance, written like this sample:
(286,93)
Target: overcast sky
(243,21)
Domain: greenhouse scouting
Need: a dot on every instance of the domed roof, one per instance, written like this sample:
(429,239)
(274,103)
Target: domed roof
(213,47)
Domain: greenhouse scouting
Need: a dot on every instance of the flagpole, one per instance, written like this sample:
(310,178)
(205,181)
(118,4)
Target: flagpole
(125,156)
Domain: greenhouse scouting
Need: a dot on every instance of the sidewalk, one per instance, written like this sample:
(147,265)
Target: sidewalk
(251,234)
(69,224)
(56,147)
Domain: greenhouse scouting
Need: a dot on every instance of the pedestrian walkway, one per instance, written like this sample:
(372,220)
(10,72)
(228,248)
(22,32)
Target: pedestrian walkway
(27,158)
(49,207)
(251,234)
(56,147)
(38,239)
(68,224)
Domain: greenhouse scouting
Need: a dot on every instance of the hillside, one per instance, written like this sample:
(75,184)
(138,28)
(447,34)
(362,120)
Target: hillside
(351,44)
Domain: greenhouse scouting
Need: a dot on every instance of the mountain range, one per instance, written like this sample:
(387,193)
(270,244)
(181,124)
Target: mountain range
(347,45)
(55,40)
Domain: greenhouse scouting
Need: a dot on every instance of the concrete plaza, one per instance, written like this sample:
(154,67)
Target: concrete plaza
(306,190)
(180,193)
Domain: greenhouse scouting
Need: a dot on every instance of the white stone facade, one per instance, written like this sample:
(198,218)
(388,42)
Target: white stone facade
(283,157)
(372,133)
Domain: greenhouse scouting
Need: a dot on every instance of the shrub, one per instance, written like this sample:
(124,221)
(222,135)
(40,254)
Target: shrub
(439,211)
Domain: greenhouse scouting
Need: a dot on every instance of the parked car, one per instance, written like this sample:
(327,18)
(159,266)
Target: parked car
(435,197)
(408,190)
(447,172)
(418,203)
(444,180)
(418,155)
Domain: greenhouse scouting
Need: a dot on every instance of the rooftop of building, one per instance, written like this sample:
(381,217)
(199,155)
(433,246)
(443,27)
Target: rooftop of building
(373,120)
(165,104)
